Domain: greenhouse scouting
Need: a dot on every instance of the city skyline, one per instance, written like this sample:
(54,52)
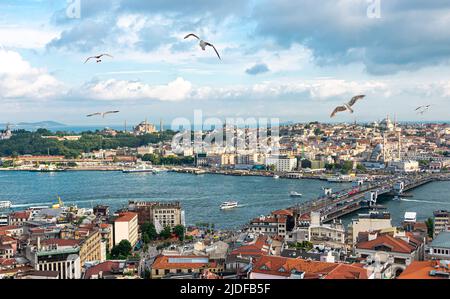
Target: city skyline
(275,64)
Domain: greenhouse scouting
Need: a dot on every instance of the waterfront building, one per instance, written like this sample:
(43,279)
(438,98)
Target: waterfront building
(370,222)
(441,220)
(126,228)
(282,163)
(19,218)
(439,248)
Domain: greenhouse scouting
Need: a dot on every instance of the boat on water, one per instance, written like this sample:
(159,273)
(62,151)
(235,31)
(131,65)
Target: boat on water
(5,204)
(139,169)
(295,194)
(229,205)
(276,176)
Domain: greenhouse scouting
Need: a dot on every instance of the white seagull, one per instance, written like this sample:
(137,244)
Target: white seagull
(347,106)
(203,44)
(98,57)
(102,113)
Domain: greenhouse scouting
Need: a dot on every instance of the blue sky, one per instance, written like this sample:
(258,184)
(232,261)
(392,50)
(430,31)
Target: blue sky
(295,60)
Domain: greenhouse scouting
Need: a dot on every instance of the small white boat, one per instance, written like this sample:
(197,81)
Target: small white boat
(5,204)
(229,205)
(276,176)
(139,169)
(295,194)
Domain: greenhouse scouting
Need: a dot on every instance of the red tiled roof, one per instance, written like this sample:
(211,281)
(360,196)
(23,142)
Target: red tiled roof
(395,244)
(20,214)
(254,250)
(282,266)
(105,267)
(126,217)
(61,242)
(282,212)
(421,270)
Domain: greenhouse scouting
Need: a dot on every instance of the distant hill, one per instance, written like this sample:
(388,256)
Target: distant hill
(40,124)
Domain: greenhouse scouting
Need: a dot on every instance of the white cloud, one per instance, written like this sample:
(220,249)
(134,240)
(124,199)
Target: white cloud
(113,89)
(26,38)
(18,79)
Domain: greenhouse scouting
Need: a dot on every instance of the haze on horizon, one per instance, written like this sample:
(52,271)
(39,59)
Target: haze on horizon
(295,61)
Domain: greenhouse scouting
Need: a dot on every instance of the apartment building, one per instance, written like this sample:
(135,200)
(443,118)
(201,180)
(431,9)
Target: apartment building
(159,213)
(126,228)
(441,220)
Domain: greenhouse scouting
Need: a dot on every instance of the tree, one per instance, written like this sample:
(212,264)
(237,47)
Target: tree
(430,226)
(361,168)
(121,250)
(179,232)
(148,232)
(165,233)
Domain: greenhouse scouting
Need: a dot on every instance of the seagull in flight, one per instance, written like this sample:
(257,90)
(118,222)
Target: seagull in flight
(203,44)
(102,113)
(98,57)
(422,109)
(347,106)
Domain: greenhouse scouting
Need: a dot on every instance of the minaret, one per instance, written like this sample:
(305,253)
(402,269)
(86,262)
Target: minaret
(125,126)
(161,128)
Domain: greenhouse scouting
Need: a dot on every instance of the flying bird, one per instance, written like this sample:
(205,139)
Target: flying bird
(98,57)
(203,44)
(422,109)
(102,113)
(347,106)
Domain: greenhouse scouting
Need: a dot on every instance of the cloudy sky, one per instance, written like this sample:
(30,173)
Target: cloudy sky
(294,60)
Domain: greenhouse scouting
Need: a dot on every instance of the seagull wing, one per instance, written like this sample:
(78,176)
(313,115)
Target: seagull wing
(89,58)
(354,99)
(192,34)
(93,114)
(338,109)
(110,112)
(418,108)
(101,55)
(211,45)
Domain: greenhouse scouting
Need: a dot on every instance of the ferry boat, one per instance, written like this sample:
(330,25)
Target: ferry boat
(5,204)
(229,205)
(139,169)
(295,194)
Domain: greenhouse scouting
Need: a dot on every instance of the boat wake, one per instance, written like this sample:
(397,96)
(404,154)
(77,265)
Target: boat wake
(426,201)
